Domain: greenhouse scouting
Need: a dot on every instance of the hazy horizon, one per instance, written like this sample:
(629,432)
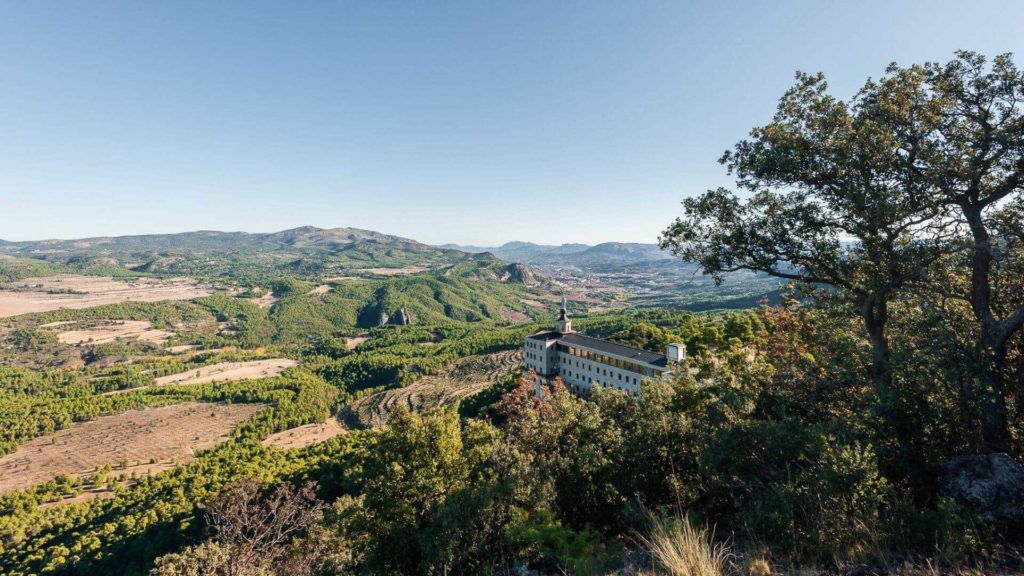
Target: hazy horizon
(576,122)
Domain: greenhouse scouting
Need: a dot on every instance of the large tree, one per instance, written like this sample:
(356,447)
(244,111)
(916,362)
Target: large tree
(831,202)
(962,131)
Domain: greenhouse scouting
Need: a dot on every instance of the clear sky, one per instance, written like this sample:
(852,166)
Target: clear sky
(475,122)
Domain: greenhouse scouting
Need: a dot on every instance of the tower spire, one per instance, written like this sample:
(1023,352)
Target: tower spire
(564,324)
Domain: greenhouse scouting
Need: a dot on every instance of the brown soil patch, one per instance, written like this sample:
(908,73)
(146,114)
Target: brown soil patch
(321,289)
(392,271)
(45,294)
(533,304)
(307,435)
(92,494)
(265,301)
(229,372)
(463,378)
(180,349)
(167,436)
(111,331)
(515,316)
(351,343)
(58,324)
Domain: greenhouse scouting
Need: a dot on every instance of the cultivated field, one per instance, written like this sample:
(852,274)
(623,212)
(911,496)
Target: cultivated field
(149,440)
(111,331)
(223,372)
(465,377)
(229,372)
(302,436)
(407,270)
(76,291)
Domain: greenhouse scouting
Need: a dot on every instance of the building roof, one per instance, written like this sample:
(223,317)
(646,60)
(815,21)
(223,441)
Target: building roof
(637,354)
(604,346)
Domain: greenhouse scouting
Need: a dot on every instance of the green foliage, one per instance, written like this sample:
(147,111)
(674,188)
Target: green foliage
(158,513)
(205,559)
(429,501)
(12,269)
(545,544)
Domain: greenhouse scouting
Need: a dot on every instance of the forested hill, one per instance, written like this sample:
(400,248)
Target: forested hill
(306,252)
(302,237)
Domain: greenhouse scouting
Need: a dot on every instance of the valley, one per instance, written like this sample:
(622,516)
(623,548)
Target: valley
(237,337)
(152,373)
(140,369)
(615,275)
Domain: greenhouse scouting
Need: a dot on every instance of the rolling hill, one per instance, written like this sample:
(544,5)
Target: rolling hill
(306,252)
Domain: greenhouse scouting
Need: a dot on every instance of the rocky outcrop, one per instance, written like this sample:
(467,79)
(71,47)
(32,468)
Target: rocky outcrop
(520,274)
(401,318)
(990,485)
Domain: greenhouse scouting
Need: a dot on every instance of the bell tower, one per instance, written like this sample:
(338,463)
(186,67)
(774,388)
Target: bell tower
(564,324)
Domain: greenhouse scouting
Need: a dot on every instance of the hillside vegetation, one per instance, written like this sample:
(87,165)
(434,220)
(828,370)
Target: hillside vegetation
(867,421)
(240,257)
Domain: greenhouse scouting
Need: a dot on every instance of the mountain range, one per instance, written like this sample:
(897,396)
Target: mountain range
(304,237)
(604,257)
(305,252)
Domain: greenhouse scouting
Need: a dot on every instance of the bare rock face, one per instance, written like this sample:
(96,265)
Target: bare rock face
(382,319)
(401,318)
(991,485)
(519,274)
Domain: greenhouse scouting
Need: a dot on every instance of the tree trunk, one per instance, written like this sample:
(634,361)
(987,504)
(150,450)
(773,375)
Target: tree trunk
(876,315)
(875,311)
(995,427)
(990,350)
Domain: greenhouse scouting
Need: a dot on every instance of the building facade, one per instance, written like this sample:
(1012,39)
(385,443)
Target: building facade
(583,362)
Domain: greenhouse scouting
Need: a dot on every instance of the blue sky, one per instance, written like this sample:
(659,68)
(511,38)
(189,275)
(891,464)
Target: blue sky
(475,122)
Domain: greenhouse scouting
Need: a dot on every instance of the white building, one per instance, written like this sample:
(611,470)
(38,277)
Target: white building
(583,362)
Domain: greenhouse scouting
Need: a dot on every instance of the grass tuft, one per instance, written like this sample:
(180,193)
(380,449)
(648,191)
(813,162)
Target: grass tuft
(679,549)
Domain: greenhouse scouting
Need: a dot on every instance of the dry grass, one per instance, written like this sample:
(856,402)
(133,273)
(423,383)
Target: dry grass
(407,270)
(759,567)
(352,342)
(679,549)
(92,494)
(229,372)
(113,330)
(76,291)
(302,436)
(265,301)
(222,372)
(149,441)
(180,349)
(515,316)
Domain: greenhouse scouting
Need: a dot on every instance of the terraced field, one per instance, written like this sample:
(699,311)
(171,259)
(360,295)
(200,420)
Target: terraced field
(465,377)
(148,441)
